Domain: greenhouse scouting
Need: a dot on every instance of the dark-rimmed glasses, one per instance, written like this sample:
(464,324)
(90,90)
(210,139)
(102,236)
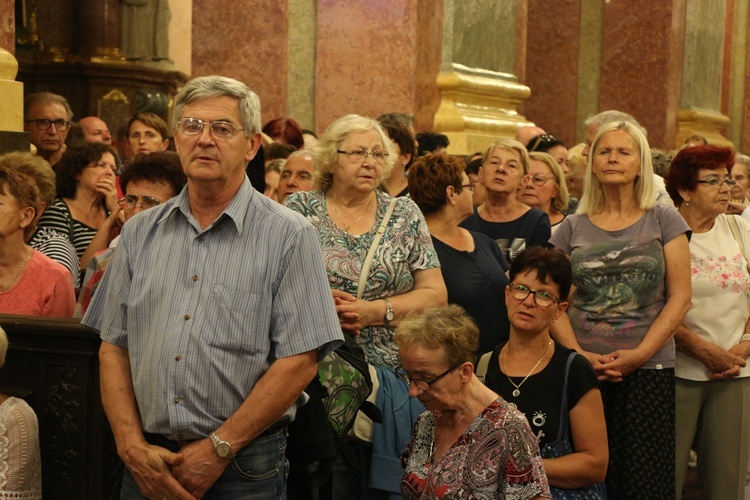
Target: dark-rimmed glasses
(469,186)
(716,181)
(44,124)
(425,385)
(359,155)
(219,129)
(542,299)
(130,202)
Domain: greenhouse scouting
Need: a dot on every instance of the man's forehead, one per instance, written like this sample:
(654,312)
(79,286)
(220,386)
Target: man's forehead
(299,163)
(214,108)
(49,110)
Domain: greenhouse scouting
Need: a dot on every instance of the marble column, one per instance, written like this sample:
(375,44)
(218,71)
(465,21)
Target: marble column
(56,23)
(483,50)
(11,103)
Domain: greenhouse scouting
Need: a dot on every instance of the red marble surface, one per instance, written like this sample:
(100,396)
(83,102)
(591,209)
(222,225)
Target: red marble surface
(552,66)
(642,54)
(246,40)
(429,55)
(366,58)
(7,26)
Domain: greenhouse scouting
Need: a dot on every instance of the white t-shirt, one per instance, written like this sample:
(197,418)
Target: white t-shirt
(721,292)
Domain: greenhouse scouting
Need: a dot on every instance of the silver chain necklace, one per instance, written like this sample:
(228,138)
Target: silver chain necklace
(517,390)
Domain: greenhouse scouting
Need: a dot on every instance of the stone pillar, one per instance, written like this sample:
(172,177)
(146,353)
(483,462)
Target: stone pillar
(483,48)
(56,24)
(734,97)
(301,45)
(701,89)
(12,136)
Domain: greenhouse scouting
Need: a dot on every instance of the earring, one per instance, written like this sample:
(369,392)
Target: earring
(687,204)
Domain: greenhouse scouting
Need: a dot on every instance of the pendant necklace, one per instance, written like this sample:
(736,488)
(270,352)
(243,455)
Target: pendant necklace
(517,390)
(347,227)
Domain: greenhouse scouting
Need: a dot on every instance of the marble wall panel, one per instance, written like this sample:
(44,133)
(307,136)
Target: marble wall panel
(430,16)
(551,66)
(365,58)
(246,40)
(8,26)
(704,48)
(482,32)
(642,49)
(301,60)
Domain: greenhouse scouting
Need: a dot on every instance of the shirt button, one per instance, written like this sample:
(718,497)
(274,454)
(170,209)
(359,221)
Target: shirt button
(176,400)
(178,357)
(200,238)
(187,317)
(195,277)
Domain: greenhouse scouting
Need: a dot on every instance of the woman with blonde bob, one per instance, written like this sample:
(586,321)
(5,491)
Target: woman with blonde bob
(631,277)
(353,157)
(467,427)
(512,224)
(545,188)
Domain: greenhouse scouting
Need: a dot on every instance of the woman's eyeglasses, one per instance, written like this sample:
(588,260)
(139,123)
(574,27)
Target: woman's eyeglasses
(146,202)
(542,299)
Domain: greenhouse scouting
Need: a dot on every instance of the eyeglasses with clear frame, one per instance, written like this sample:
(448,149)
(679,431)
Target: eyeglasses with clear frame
(359,155)
(714,181)
(44,124)
(426,385)
(219,129)
(537,180)
(541,298)
(130,202)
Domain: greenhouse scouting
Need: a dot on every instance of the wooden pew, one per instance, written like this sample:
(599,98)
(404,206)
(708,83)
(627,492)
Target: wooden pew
(53,364)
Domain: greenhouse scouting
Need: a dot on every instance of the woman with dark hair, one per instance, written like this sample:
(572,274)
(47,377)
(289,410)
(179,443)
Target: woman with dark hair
(551,145)
(86,195)
(147,133)
(472,264)
(712,376)
(536,298)
(285,131)
(403,142)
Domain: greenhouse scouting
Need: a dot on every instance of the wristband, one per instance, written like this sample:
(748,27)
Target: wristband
(745,337)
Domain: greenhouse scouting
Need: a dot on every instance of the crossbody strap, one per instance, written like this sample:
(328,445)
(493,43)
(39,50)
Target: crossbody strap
(483,366)
(562,432)
(373,248)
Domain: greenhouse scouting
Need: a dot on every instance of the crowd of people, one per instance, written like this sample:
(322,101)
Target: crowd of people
(542,321)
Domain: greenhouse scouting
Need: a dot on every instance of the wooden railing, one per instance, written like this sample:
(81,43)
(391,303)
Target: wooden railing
(53,364)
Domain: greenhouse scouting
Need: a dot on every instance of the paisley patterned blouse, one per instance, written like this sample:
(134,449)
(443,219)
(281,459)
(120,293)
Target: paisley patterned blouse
(406,247)
(497,457)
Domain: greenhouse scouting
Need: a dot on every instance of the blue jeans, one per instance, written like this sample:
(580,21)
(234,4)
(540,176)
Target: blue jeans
(257,472)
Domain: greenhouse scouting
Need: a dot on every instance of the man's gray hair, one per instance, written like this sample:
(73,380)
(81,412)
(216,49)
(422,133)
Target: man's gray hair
(302,153)
(612,115)
(207,87)
(45,99)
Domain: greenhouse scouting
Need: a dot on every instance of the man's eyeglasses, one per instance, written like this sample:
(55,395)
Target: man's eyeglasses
(537,180)
(469,186)
(44,124)
(219,129)
(359,155)
(425,385)
(716,181)
(146,202)
(542,299)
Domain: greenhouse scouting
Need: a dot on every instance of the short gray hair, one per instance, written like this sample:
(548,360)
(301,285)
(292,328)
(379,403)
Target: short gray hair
(611,116)
(744,160)
(45,99)
(207,87)
(326,154)
(509,145)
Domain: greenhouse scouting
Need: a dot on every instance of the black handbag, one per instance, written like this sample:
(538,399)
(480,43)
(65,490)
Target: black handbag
(562,446)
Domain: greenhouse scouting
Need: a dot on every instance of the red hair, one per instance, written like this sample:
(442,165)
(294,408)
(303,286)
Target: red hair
(683,171)
(286,131)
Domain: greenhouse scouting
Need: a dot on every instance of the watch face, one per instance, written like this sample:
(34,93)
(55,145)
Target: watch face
(389,315)
(223,450)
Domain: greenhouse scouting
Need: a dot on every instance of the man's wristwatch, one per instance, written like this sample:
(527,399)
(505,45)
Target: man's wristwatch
(388,312)
(223,449)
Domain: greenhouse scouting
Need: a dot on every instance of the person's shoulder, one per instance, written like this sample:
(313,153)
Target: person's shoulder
(48,265)
(280,214)
(482,240)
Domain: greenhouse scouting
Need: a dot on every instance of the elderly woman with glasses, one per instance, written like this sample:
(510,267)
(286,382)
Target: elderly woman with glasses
(713,343)
(472,265)
(86,196)
(348,210)
(531,370)
(470,443)
(545,188)
(631,271)
(512,224)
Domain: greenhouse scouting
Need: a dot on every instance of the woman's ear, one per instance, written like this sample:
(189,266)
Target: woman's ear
(27,216)
(450,195)
(685,194)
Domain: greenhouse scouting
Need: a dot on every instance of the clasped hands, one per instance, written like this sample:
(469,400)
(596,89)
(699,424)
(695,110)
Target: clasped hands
(355,314)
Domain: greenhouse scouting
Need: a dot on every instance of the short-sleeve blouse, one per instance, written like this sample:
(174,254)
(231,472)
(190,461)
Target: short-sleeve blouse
(406,247)
(496,457)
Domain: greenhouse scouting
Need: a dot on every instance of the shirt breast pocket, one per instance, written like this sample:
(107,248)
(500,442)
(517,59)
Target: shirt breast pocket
(238,320)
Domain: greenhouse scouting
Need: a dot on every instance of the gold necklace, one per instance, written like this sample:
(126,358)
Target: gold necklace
(17,276)
(517,390)
(345,226)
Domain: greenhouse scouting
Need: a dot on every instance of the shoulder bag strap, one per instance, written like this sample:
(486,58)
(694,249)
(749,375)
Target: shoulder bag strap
(373,248)
(562,432)
(483,366)
(735,228)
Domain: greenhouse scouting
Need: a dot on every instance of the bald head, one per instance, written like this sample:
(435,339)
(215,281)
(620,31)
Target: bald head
(95,130)
(526,133)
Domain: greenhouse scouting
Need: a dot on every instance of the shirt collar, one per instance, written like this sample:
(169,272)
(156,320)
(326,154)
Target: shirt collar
(235,211)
